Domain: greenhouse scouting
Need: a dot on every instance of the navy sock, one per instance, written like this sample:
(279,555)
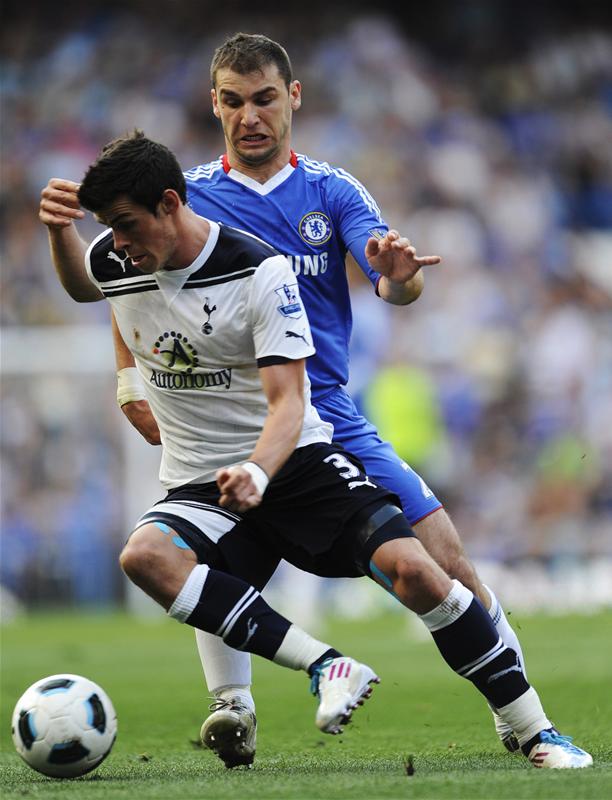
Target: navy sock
(526,748)
(231,608)
(471,645)
(331,653)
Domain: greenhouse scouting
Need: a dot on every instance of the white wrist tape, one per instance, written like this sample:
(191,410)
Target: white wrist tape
(129,386)
(260,478)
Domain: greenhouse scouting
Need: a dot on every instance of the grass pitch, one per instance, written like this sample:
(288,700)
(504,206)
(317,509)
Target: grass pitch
(422,719)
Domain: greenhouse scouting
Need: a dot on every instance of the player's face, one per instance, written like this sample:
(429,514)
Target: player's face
(255,112)
(148,239)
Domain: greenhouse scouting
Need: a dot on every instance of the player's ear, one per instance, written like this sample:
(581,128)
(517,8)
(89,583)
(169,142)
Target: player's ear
(295,95)
(215,103)
(170,201)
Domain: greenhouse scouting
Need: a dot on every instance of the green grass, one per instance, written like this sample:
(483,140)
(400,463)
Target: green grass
(421,710)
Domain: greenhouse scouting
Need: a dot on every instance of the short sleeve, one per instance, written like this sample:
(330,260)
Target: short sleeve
(280,325)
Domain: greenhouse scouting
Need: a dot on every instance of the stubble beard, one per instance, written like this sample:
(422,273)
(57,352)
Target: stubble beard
(257,159)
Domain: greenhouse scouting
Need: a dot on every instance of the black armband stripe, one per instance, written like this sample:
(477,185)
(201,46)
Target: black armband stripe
(269,361)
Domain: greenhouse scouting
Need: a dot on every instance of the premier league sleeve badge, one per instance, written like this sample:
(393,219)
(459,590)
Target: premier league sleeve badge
(291,305)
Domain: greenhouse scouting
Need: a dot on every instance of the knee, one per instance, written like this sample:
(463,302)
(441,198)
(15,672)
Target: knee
(141,555)
(420,583)
(152,562)
(414,572)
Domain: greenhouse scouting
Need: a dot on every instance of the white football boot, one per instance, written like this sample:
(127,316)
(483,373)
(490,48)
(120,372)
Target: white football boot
(231,732)
(341,685)
(554,751)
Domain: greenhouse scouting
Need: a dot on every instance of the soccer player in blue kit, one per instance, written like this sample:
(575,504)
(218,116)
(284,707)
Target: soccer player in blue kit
(314,214)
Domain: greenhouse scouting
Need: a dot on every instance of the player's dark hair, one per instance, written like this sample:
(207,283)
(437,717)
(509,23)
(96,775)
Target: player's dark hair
(136,167)
(251,52)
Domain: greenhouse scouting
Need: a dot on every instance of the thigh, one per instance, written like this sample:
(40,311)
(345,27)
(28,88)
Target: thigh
(157,560)
(197,523)
(357,435)
(160,538)
(403,567)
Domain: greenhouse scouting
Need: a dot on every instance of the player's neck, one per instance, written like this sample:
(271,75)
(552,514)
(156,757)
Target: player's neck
(263,172)
(193,233)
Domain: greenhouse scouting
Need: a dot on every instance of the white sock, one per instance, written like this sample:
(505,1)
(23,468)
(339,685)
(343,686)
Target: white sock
(509,637)
(450,609)
(223,666)
(187,599)
(298,649)
(525,716)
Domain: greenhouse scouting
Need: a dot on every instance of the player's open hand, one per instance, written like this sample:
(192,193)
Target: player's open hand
(395,257)
(238,490)
(59,204)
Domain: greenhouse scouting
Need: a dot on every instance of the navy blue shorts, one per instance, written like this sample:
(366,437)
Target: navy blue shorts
(314,513)
(357,435)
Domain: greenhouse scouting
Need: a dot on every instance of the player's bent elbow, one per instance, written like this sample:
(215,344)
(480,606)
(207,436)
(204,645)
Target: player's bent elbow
(138,413)
(88,297)
(82,294)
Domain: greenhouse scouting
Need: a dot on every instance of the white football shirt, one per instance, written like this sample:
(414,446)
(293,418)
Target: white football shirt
(199,336)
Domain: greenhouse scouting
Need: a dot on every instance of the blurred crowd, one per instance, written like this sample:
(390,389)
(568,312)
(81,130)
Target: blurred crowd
(496,385)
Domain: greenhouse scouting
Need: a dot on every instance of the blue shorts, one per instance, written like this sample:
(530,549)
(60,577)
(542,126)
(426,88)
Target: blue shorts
(383,465)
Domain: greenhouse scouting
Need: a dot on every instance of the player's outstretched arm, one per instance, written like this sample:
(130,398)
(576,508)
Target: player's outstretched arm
(130,390)
(59,209)
(395,258)
(242,487)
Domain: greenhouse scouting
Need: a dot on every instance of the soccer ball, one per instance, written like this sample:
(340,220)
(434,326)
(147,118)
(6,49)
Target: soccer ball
(64,726)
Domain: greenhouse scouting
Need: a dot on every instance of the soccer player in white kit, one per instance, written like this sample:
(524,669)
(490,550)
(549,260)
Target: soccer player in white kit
(249,465)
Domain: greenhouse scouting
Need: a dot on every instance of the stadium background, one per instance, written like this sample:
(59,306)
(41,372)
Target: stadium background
(482,128)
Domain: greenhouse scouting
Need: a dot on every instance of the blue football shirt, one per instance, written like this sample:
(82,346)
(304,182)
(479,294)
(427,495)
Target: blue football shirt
(313,213)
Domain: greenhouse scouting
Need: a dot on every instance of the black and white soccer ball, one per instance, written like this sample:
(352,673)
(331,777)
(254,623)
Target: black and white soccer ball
(64,726)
